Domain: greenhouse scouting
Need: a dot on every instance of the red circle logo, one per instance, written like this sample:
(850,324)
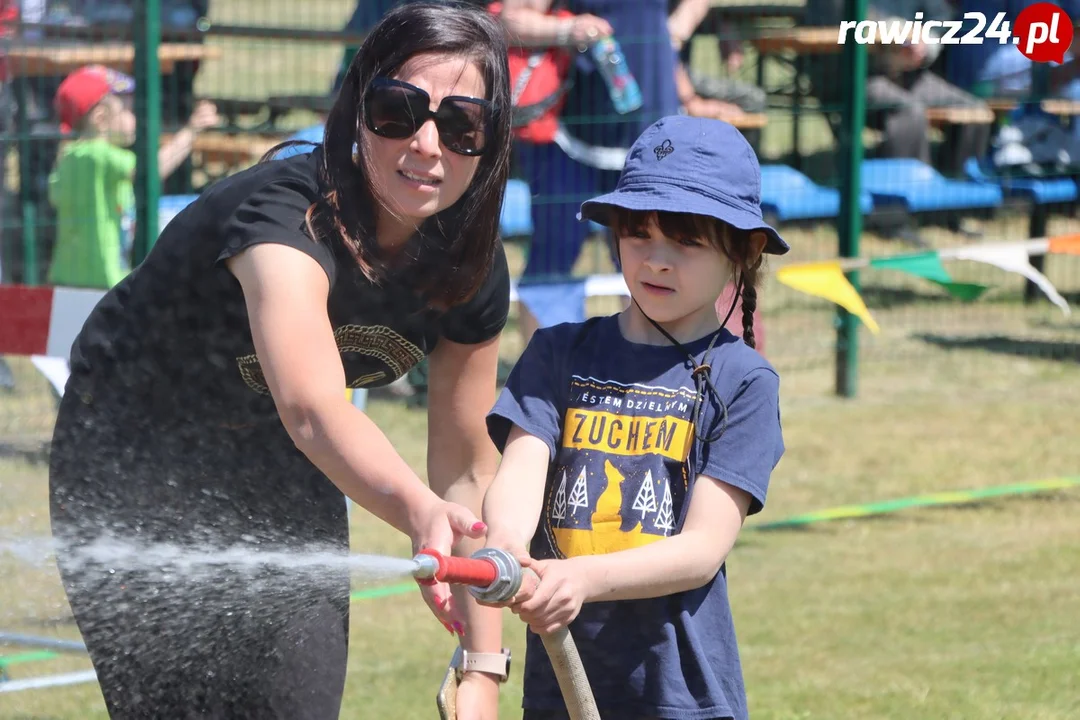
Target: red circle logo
(1043,32)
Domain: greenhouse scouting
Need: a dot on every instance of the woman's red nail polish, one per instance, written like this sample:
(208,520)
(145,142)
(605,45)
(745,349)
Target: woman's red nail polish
(479,527)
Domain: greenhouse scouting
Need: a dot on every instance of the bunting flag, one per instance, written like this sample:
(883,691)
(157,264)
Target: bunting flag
(1065,245)
(928,266)
(1012,258)
(826,280)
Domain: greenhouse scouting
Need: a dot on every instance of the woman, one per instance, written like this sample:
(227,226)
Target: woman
(206,421)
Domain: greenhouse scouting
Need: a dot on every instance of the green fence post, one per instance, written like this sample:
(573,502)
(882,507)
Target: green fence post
(148,124)
(850,220)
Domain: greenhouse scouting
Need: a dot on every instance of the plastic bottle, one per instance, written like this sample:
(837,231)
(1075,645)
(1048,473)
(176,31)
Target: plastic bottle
(623,88)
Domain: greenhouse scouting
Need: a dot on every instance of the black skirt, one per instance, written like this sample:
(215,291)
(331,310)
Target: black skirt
(173,538)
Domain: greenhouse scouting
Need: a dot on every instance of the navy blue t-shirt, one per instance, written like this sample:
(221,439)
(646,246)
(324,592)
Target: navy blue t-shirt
(616,417)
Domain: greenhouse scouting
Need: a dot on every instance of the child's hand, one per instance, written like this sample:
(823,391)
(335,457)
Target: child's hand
(205,116)
(520,553)
(554,600)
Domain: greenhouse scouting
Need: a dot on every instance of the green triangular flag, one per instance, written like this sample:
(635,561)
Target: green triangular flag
(928,266)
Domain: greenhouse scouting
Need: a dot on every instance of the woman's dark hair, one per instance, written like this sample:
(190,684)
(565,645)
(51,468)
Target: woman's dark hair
(733,242)
(458,245)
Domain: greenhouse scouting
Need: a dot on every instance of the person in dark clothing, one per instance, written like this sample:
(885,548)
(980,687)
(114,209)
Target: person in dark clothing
(900,86)
(205,418)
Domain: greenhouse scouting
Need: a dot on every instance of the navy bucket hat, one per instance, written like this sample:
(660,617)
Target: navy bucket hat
(693,165)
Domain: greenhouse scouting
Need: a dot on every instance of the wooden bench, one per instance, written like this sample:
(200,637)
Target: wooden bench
(748,121)
(978,115)
(59,59)
(1062,107)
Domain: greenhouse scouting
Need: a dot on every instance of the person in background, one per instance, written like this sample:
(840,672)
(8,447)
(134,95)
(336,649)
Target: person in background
(91,186)
(704,95)
(900,86)
(588,153)
(994,70)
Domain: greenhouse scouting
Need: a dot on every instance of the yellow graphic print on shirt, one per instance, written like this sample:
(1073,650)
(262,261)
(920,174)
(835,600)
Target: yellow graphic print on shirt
(620,482)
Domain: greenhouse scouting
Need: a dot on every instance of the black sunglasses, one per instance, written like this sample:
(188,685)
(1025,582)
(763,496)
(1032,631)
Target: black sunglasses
(395,109)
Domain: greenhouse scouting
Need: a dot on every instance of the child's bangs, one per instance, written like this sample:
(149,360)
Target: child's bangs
(675,225)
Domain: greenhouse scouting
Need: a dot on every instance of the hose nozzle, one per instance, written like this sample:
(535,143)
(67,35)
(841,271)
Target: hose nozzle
(492,575)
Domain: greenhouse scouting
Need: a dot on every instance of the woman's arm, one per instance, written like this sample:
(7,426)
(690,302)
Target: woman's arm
(286,294)
(462,460)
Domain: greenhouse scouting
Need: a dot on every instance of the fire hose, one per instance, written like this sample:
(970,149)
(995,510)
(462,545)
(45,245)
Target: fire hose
(494,575)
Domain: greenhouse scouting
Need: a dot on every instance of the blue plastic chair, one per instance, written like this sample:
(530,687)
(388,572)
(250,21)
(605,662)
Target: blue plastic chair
(1039,191)
(790,195)
(918,187)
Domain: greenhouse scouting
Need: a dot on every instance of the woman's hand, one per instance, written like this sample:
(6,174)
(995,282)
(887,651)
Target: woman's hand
(478,697)
(554,596)
(439,527)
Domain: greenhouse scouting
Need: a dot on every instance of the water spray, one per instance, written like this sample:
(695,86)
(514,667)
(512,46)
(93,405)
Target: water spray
(494,575)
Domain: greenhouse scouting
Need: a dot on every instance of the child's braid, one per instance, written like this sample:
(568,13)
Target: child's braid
(749,304)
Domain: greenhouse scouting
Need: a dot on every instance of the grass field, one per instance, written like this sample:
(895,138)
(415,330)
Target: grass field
(965,612)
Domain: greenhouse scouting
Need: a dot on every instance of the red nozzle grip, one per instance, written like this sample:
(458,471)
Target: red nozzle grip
(463,571)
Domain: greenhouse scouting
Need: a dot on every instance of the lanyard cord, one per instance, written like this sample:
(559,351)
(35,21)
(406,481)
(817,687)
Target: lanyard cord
(702,373)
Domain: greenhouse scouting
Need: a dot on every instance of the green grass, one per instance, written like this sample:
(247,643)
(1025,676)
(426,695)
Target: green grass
(963,612)
(947,612)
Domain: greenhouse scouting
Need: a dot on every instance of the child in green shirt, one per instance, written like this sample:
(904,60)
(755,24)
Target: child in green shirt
(91,185)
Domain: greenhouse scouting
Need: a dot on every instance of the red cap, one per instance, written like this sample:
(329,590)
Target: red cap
(84,88)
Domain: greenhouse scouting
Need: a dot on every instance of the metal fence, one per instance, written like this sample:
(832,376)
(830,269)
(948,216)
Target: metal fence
(270,69)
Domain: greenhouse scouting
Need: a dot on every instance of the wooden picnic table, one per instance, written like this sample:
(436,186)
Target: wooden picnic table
(960,115)
(56,59)
(1061,106)
(748,121)
(803,40)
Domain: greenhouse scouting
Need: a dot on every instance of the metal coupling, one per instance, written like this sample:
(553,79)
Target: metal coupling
(507,579)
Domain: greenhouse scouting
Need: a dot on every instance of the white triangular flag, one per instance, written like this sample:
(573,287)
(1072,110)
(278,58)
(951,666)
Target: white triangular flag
(1012,258)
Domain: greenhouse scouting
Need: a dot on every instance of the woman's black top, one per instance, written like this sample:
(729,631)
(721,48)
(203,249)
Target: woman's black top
(174,336)
(167,419)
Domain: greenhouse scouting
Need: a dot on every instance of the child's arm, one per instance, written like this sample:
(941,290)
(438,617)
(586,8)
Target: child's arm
(174,152)
(515,499)
(675,564)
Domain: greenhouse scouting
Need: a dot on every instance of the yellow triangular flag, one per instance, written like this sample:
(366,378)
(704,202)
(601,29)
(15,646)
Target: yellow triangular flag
(826,279)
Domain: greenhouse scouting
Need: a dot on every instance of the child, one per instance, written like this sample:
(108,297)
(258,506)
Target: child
(635,445)
(91,185)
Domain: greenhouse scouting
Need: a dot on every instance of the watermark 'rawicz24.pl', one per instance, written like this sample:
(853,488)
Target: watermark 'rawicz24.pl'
(1043,32)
